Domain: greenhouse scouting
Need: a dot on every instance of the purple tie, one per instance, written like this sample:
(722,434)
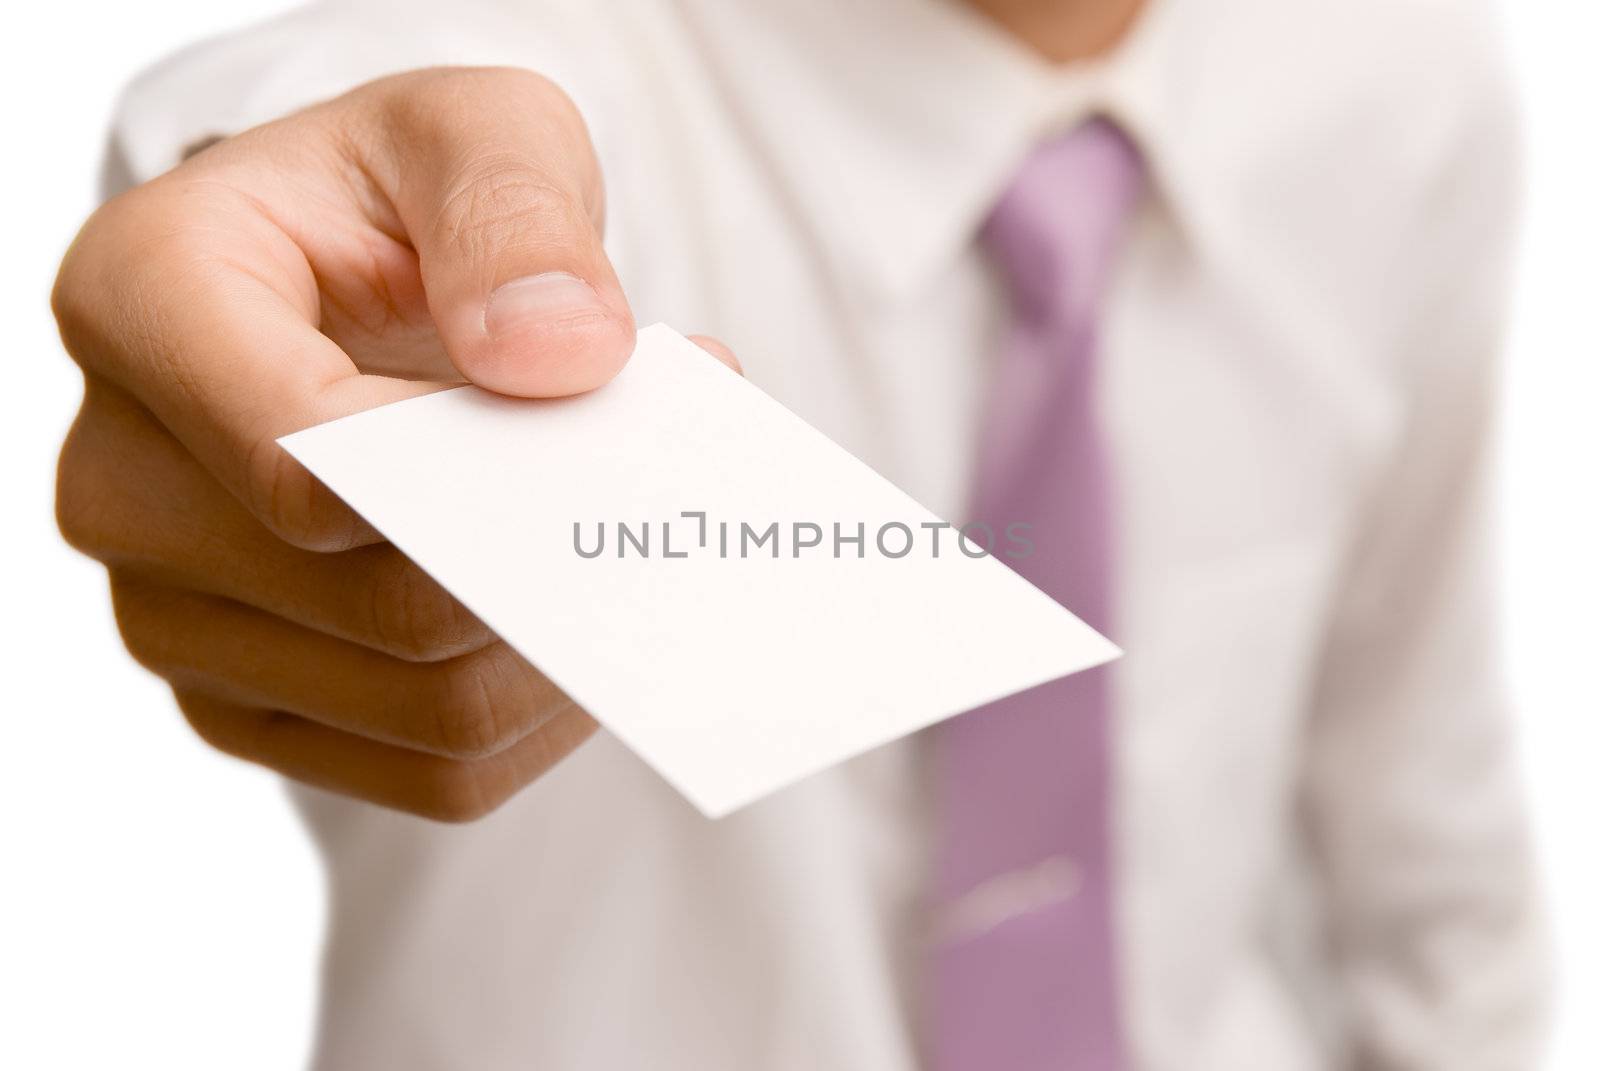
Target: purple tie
(1023,967)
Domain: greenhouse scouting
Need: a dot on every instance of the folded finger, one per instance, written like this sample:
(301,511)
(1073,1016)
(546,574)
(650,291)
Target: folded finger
(138,501)
(468,707)
(428,785)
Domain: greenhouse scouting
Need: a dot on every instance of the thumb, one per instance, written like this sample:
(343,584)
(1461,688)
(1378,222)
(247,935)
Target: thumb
(499,191)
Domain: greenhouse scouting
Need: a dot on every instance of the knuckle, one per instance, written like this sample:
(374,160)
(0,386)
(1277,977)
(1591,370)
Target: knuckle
(554,115)
(481,703)
(119,242)
(209,722)
(466,724)
(236,731)
(98,255)
(459,793)
(291,503)
(432,100)
(79,502)
(413,617)
(141,257)
(497,199)
(137,609)
(70,301)
(493,184)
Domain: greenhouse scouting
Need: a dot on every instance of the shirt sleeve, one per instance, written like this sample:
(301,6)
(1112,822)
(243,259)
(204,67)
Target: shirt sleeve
(231,83)
(1411,781)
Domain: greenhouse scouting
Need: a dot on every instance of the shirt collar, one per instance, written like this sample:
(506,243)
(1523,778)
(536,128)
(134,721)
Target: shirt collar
(895,125)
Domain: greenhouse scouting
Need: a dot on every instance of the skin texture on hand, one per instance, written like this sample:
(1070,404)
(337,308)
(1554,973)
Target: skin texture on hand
(425,229)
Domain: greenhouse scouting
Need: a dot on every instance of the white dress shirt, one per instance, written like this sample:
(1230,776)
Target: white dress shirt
(1321,857)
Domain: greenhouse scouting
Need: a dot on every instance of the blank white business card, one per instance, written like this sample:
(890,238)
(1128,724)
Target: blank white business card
(736,597)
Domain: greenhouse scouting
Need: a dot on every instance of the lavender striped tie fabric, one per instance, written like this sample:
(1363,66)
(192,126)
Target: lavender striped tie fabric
(1023,963)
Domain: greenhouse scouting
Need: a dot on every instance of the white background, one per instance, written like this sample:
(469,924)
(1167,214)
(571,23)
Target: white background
(158,904)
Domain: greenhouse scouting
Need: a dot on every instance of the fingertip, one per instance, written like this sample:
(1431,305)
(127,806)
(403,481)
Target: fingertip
(718,349)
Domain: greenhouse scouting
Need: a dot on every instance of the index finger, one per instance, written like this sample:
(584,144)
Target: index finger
(188,296)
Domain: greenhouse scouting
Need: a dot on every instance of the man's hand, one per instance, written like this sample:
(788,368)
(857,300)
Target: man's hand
(425,228)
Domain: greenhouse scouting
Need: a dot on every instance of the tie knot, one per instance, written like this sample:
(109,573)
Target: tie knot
(1054,231)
